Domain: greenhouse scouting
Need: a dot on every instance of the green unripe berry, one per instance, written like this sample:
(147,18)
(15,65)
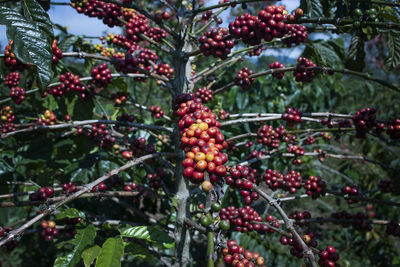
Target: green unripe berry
(358,12)
(225,225)
(206,221)
(215,207)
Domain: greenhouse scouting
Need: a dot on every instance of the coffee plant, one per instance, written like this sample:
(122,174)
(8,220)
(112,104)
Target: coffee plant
(178,139)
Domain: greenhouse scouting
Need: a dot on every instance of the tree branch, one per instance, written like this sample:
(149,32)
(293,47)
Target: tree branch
(87,188)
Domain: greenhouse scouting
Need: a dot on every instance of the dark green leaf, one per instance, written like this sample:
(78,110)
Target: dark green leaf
(70,213)
(312,8)
(148,233)
(90,254)
(394,49)
(83,238)
(34,12)
(31,45)
(111,253)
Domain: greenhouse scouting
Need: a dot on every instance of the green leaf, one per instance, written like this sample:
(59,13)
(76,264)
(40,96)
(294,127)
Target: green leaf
(83,238)
(325,55)
(148,233)
(90,254)
(70,213)
(67,42)
(356,54)
(30,44)
(394,49)
(34,12)
(312,8)
(111,253)
(137,251)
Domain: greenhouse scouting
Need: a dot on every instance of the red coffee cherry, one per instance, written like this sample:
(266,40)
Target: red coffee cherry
(11,61)
(246,28)
(393,129)
(205,94)
(301,73)
(57,54)
(315,187)
(277,65)
(216,43)
(12,79)
(101,75)
(242,77)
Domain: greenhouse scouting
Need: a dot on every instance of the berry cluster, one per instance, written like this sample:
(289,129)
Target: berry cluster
(386,185)
(136,58)
(12,79)
(201,140)
(47,118)
(296,249)
(156,112)
(137,25)
(243,178)
(154,180)
(277,65)
(245,27)
(298,215)
(393,129)
(272,23)
(364,120)
(114,182)
(205,94)
(17,94)
(68,188)
(6,119)
(110,13)
(301,73)
(140,148)
(69,83)
(11,61)
(295,34)
(359,221)
(223,115)
(235,256)
(99,133)
(206,15)
(120,97)
(242,77)
(310,140)
(292,116)
(290,182)
(328,257)
(298,151)
(130,187)
(125,128)
(271,137)
(71,223)
(315,187)
(393,228)
(101,75)
(328,122)
(156,34)
(160,16)
(350,191)
(119,41)
(42,194)
(57,54)
(216,43)
(164,69)
(49,230)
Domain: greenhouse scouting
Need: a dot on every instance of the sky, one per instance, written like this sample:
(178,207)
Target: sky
(83,25)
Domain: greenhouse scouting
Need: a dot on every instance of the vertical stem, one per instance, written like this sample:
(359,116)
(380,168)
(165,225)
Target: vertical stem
(181,84)
(210,249)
